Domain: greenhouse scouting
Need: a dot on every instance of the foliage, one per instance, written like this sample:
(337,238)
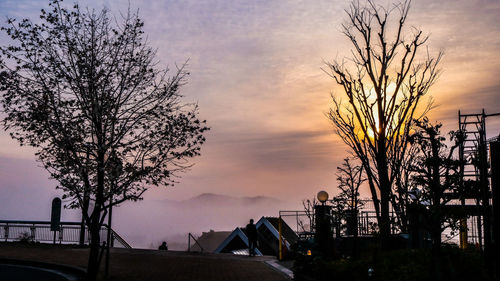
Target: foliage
(25,237)
(435,170)
(384,82)
(79,90)
(402,188)
(399,265)
(435,174)
(86,92)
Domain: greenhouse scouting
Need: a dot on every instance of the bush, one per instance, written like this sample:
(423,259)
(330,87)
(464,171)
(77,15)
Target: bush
(398,265)
(25,237)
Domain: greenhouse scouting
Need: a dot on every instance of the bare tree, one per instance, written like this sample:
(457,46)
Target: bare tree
(87,93)
(384,81)
(350,177)
(309,213)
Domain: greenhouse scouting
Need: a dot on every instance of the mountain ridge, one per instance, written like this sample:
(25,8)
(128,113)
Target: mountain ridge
(209,198)
(226,200)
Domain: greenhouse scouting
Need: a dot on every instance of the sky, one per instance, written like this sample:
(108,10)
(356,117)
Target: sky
(256,74)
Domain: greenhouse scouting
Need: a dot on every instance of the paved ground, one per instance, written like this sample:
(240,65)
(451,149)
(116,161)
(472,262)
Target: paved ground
(132,265)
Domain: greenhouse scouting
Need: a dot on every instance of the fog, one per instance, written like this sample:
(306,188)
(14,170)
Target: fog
(26,194)
(146,224)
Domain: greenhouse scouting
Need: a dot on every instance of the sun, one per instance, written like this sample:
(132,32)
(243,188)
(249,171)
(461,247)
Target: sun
(370,132)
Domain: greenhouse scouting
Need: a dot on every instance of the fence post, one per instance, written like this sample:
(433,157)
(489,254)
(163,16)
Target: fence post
(6,229)
(61,230)
(189,242)
(33,232)
(280,246)
(367,225)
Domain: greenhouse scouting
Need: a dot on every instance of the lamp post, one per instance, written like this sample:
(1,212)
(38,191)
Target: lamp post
(322,196)
(115,173)
(323,224)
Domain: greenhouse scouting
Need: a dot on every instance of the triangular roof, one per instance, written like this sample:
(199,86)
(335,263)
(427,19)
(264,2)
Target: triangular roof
(210,240)
(237,233)
(272,223)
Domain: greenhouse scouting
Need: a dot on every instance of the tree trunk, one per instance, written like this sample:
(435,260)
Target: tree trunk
(384,224)
(385,191)
(95,241)
(437,194)
(373,189)
(85,211)
(95,224)
(399,203)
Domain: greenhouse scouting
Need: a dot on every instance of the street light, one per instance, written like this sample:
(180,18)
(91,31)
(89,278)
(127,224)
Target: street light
(322,196)
(323,235)
(370,272)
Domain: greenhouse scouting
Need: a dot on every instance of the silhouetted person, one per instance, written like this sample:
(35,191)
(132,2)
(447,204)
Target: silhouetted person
(252,237)
(163,246)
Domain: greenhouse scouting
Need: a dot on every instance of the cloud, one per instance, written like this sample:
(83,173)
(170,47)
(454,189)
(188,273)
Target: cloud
(255,73)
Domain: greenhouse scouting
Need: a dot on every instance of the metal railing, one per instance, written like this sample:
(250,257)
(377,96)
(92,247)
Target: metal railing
(196,242)
(39,231)
(121,241)
(367,223)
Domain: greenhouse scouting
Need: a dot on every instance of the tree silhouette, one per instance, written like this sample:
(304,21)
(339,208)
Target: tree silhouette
(107,123)
(349,179)
(384,81)
(435,172)
(402,187)
(309,213)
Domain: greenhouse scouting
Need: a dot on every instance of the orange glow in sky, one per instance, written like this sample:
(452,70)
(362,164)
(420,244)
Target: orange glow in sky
(256,74)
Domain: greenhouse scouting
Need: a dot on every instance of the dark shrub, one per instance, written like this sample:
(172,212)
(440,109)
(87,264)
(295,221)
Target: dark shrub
(398,265)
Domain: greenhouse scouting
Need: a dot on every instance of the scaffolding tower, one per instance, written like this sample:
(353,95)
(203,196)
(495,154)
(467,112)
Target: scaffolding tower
(473,154)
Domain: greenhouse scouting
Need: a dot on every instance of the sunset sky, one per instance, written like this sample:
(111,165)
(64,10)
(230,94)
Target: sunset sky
(256,75)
